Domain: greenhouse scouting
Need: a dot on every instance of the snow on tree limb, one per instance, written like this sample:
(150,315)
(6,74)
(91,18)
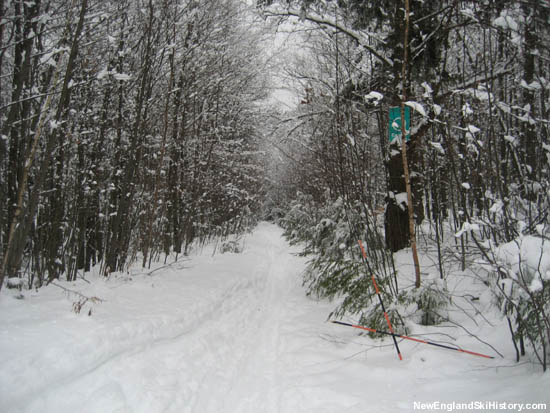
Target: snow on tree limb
(322,21)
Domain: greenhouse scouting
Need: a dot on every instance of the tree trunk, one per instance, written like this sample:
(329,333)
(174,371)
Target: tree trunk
(23,216)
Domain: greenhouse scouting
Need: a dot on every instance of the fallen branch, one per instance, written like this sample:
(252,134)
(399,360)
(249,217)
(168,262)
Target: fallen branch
(82,299)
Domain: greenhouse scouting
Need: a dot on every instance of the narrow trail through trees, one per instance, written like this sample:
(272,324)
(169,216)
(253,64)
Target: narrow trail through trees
(225,347)
(230,333)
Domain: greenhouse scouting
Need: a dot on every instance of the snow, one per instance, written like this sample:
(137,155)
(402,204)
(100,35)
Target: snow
(428,91)
(232,333)
(103,73)
(467,109)
(473,129)
(48,58)
(401,200)
(15,282)
(480,93)
(511,139)
(123,77)
(468,12)
(506,23)
(467,227)
(438,147)
(55,124)
(375,96)
(417,107)
(497,207)
(533,86)
(528,258)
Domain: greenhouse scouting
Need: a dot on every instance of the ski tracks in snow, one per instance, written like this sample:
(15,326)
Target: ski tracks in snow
(231,333)
(253,374)
(258,376)
(221,349)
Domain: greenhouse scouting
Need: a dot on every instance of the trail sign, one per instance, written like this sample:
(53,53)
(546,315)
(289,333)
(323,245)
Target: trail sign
(395,123)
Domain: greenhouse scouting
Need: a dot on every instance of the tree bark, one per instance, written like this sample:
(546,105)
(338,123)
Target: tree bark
(410,206)
(23,217)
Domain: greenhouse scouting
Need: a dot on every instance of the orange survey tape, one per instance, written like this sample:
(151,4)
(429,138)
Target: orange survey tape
(372,330)
(364,255)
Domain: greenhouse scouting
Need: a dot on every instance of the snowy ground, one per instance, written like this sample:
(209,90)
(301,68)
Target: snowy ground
(231,333)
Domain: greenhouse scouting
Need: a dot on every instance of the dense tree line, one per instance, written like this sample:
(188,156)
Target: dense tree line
(474,76)
(129,128)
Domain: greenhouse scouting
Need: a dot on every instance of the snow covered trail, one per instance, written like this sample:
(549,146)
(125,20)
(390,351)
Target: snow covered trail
(230,333)
(201,339)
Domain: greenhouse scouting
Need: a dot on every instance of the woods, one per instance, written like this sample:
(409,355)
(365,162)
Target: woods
(128,128)
(133,130)
(474,76)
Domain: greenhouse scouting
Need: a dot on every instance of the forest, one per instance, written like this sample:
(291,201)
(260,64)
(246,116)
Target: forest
(127,127)
(135,129)
(465,83)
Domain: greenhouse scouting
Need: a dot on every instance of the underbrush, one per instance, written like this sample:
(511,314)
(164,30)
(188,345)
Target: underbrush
(515,275)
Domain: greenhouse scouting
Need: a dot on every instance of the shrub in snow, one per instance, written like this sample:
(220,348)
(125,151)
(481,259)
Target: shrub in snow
(329,235)
(230,246)
(521,282)
(423,305)
(15,283)
(298,220)
(426,304)
(374,318)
